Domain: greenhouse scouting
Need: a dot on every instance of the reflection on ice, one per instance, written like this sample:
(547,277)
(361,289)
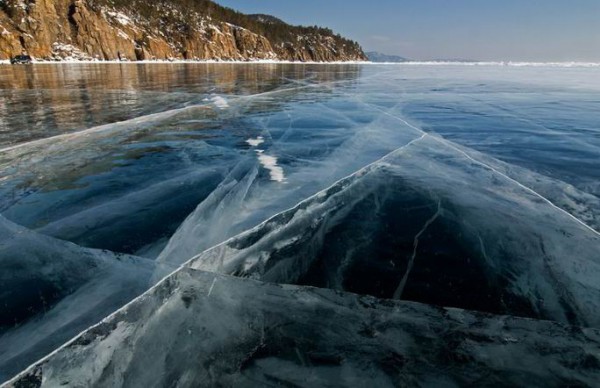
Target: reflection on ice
(42,101)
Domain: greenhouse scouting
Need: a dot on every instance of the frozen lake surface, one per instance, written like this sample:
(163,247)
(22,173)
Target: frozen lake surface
(474,188)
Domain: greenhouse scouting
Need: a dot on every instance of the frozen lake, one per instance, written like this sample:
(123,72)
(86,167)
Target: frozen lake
(472,187)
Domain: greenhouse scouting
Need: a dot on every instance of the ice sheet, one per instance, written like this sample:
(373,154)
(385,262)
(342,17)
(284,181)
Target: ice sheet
(487,199)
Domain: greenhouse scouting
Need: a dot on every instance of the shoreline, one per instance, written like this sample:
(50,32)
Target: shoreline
(283,62)
(184,61)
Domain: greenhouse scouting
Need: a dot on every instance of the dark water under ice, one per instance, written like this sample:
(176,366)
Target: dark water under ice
(476,187)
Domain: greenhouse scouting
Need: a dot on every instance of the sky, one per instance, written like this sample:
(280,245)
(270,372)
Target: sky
(487,30)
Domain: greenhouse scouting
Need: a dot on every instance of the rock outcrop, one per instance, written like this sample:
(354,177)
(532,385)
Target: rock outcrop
(170,29)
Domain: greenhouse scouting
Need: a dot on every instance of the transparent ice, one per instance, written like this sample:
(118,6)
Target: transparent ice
(473,188)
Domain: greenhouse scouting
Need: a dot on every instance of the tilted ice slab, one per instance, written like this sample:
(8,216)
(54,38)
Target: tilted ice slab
(133,217)
(582,205)
(243,200)
(50,290)
(63,159)
(199,329)
(55,184)
(457,232)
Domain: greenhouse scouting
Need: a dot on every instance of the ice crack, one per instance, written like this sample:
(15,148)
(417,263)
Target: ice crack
(212,286)
(411,262)
(487,166)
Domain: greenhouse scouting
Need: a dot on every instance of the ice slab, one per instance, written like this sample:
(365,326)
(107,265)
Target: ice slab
(433,224)
(50,290)
(312,160)
(199,329)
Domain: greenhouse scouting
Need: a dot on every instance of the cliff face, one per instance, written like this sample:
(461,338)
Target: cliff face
(107,30)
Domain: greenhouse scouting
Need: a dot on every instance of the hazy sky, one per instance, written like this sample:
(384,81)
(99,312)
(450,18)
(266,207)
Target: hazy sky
(525,30)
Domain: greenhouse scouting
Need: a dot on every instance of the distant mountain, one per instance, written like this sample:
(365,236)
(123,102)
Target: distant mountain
(375,56)
(165,29)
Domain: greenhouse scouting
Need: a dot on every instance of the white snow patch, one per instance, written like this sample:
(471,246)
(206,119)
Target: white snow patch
(123,35)
(67,52)
(4,30)
(256,142)
(121,18)
(220,102)
(270,163)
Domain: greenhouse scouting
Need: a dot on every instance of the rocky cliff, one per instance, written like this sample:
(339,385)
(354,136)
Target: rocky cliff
(164,29)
